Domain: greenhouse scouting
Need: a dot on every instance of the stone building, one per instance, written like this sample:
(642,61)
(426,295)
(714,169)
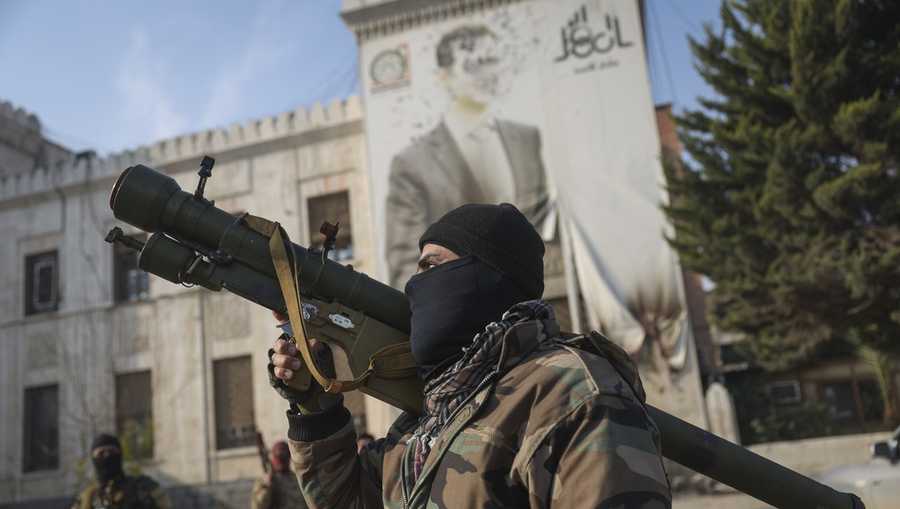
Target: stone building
(88,343)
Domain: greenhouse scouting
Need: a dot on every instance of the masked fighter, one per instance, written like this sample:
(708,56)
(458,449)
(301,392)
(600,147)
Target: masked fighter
(516,413)
(278,489)
(112,489)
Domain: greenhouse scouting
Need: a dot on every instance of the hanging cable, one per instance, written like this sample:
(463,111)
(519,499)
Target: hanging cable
(348,75)
(353,83)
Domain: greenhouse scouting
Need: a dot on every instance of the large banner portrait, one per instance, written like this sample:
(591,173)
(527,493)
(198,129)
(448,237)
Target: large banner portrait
(545,104)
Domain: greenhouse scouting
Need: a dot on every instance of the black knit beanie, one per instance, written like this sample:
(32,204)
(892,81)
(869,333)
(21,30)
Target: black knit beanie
(105,439)
(498,235)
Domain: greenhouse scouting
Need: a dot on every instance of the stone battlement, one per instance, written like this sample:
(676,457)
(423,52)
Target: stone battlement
(18,117)
(188,146)
(20,130)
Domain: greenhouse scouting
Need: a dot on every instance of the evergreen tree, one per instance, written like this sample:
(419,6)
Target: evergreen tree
(790,202)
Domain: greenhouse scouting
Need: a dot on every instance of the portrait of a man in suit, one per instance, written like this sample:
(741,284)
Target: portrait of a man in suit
(471,156)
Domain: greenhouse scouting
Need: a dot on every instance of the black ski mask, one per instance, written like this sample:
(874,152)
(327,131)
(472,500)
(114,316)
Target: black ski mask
(109,466)
(501,265)
(450,304)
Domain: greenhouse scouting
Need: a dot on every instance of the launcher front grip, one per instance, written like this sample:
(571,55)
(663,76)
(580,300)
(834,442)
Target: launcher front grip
(359,315)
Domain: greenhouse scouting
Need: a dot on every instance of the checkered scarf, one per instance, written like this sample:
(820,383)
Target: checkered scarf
(446,392)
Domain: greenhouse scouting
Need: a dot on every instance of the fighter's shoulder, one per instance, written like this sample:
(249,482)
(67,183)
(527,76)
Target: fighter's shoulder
(561,387)
(145,484)
(568,372)
(558,381)
(145,480)
(147,488)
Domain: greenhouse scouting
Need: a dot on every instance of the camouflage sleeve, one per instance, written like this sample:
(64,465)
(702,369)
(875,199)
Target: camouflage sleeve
(262,494)
(332,475)
(604,454)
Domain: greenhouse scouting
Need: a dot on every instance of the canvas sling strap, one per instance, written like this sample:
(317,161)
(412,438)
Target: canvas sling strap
(393,361)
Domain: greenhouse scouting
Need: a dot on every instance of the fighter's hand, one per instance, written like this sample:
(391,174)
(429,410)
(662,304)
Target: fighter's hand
(284,353)
(284,364)
(284,359)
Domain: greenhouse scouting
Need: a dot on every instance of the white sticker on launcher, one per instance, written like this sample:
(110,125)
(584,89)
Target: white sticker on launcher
(341,321)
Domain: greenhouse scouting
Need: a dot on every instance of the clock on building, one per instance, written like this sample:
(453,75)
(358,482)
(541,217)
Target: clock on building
(390,68)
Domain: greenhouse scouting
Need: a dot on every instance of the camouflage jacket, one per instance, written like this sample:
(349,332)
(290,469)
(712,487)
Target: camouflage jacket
(278,491)
(564,425)
(140,492)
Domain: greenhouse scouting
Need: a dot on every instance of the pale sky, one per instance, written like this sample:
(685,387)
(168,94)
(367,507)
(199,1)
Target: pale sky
(111,75)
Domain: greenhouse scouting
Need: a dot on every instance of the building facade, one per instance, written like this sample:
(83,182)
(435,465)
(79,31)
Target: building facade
(90,344)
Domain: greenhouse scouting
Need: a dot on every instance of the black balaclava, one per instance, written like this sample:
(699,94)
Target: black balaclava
(501,264)
(109,467)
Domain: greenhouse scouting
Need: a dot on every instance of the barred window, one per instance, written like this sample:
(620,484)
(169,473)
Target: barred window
(41,429)
(233,382)
(41,282)
(334,208)
(134,413)
(129,282)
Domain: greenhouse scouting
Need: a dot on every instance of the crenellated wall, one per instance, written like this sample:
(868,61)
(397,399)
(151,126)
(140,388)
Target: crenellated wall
(23,146)
(182,148)
(12,117)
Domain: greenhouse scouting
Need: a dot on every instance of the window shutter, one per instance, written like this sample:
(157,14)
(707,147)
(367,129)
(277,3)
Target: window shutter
(235,423)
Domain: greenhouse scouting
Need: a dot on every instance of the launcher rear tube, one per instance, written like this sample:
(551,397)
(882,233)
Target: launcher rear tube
(744,470)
